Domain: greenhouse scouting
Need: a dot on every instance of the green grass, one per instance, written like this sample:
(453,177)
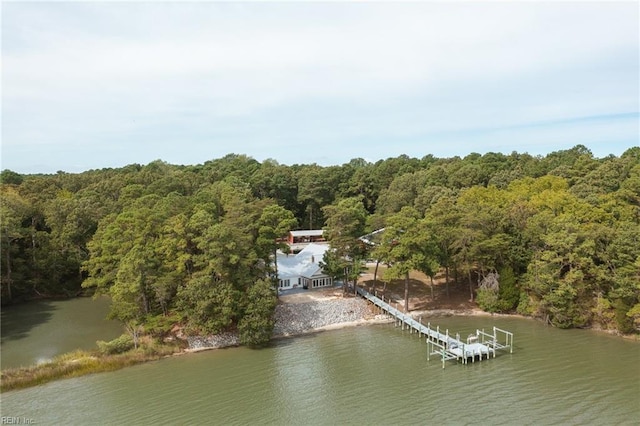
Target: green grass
(80,363)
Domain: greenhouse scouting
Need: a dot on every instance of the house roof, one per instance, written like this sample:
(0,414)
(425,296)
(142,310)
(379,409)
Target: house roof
(304,264)
(372,239)
(307,233)
(315,250)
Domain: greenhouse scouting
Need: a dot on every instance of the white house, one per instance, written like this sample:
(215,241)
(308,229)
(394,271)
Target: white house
(303,269)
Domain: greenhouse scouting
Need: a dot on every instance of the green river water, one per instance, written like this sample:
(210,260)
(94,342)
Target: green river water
(368,375)
(37,331)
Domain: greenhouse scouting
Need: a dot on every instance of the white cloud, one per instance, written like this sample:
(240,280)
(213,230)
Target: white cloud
(91,70)
(386,44)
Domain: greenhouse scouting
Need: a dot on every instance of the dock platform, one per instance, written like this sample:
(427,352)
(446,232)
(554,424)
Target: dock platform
(481,345)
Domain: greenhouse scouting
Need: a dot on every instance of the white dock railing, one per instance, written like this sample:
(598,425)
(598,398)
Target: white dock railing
(444,345)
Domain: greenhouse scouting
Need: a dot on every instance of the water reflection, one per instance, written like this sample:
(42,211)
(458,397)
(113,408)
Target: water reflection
(38,331)
(19,320)
(363,375)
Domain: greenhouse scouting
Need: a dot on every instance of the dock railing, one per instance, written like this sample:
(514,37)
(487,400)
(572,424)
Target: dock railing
(441,343)
(496,339)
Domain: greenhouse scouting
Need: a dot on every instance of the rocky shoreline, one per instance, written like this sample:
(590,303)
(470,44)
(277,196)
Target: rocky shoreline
(317,314)
(298,318)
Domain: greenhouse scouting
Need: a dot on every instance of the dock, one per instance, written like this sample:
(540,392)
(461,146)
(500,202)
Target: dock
(442,344)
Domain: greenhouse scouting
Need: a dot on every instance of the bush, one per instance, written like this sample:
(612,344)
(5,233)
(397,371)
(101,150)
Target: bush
(625,322)
(508,294)
(634,314)
(116,346)
(526,306)
(488,300)
(160,325)
(603,312)
(499,292)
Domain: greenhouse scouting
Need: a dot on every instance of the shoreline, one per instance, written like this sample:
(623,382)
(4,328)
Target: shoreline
(329,327)
(378,319)
(333,310)
(370,319)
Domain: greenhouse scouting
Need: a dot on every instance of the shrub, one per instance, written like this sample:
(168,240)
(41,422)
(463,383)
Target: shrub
(488,300)
(526,306)
(116,346)
(508,294)
(603,312)
(160,325)
(625,322)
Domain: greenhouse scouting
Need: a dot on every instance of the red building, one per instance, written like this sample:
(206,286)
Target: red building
(306,236)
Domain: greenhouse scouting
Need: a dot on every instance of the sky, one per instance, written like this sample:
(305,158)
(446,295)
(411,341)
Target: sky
(89,85)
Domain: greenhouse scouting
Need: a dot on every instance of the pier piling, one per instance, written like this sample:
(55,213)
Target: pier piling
(443,344)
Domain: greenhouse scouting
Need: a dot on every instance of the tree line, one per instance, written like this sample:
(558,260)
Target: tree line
(194,244)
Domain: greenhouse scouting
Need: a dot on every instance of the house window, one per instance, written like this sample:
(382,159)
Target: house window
(321,282)
(284,283)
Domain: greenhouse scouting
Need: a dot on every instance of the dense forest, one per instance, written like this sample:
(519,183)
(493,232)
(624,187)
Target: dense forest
(194,244)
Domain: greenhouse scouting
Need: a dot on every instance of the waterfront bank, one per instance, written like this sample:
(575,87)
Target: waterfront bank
(296,315)
(308,313)
(359,375)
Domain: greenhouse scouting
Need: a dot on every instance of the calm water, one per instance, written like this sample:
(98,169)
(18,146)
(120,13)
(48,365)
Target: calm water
(38,331)
(365,375)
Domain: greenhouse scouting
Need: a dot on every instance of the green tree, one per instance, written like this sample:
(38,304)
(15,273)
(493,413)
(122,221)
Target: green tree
(229,246)
(499,292)
(362,184)
(208,304)
(130,293)
(403,191)
(315,189)
(442,222)
(9,177)
(345,224)
(405,246)
(256,325)
(273,225)
(13,210)
(277,182)
(334,265)
(563,226)
(563,274)
(481,241)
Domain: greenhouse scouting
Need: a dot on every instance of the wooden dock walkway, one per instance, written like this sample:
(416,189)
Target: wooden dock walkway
(442,344)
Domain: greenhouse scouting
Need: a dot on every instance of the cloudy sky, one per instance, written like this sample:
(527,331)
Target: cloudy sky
(89,85)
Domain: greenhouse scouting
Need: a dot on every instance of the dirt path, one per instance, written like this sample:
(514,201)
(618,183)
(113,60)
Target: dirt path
(311,295)
(420,295)
(420,292)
